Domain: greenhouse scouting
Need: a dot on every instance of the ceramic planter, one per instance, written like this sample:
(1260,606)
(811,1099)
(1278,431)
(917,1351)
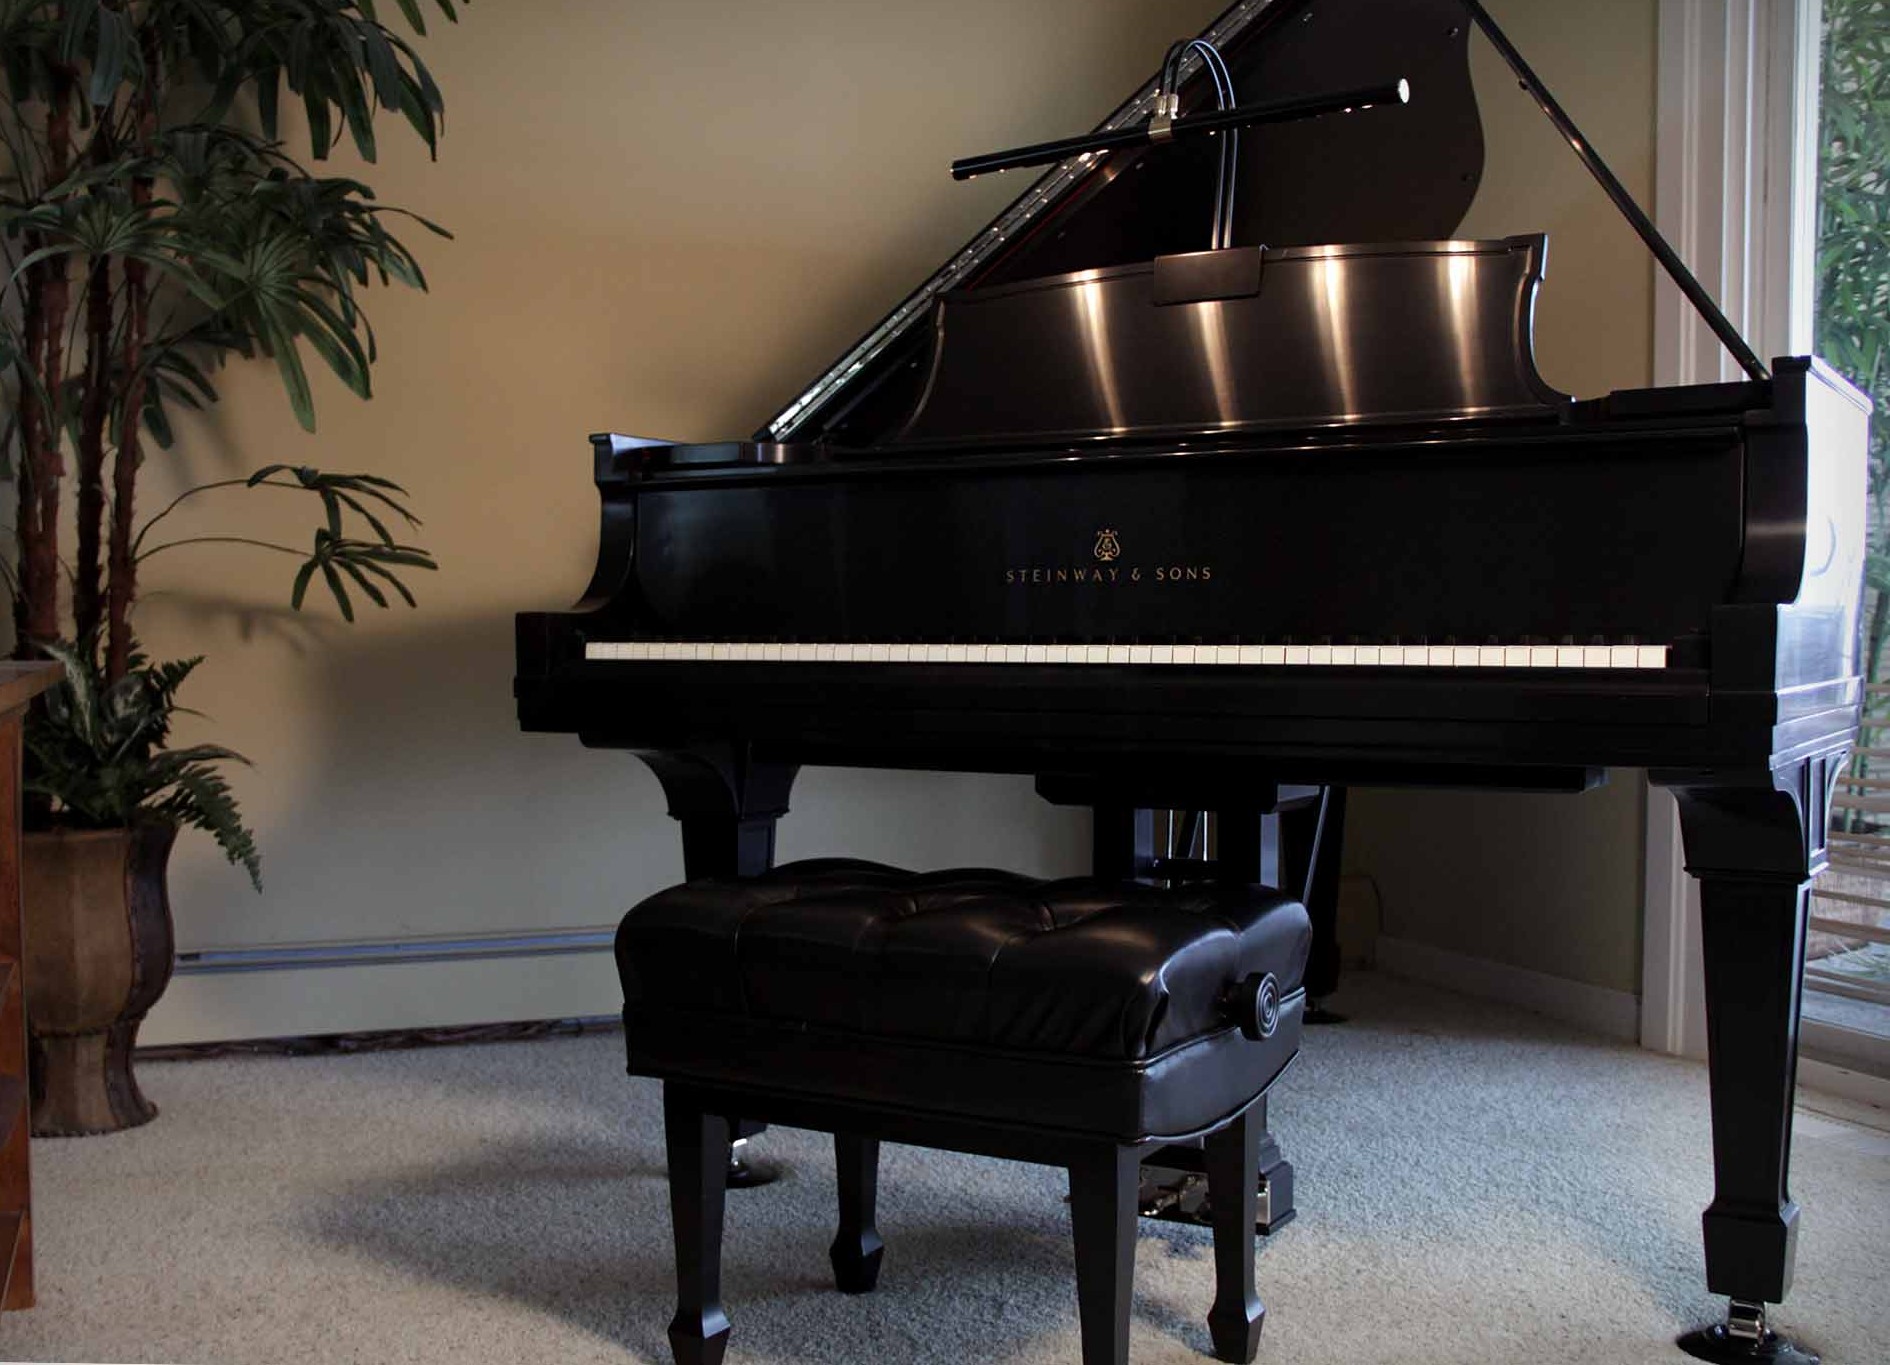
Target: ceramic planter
(98,956)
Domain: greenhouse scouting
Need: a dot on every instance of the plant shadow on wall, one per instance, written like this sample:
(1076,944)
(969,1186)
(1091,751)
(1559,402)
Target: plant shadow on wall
(153,226)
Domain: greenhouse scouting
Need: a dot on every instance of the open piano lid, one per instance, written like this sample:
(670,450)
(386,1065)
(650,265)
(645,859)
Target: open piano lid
(1407,176)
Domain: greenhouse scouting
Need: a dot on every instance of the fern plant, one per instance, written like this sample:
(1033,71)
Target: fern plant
(98,746)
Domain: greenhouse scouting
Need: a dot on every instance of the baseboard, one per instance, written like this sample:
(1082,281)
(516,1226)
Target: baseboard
(222,995)
(1613,1014)
(1859,1087)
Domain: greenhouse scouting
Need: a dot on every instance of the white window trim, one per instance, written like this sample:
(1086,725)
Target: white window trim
(1735,192)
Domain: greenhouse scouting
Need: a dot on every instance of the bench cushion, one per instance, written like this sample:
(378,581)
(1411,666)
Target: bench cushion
(970,991)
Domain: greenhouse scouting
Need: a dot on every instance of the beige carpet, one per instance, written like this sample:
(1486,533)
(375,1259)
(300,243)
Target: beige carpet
(1475,1185)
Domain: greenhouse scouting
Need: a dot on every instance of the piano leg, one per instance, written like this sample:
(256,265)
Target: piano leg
(1754,842)
(1312,838)
(727,805)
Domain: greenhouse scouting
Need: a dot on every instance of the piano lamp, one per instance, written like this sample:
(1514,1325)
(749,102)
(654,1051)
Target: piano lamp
(1164,127)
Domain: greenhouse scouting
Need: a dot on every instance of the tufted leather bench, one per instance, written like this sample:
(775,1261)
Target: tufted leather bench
(1074,1023)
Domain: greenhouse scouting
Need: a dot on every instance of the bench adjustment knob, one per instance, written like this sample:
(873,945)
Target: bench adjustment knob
(1254,1005)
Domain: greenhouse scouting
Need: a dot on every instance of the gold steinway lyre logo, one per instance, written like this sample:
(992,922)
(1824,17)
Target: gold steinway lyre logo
(1107,546)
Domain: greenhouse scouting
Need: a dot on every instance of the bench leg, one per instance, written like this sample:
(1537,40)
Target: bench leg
(857,1249)
(1233,1168)
(1103,1184)
(698,1146)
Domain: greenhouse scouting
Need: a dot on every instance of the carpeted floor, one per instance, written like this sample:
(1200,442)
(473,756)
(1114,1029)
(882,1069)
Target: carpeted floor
(1475,1185)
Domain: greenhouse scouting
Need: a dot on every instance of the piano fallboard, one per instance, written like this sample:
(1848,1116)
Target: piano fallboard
(1545,535)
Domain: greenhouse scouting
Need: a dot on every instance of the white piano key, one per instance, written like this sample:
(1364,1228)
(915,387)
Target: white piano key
(1248,656)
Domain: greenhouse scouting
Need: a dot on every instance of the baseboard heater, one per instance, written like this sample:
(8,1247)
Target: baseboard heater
(371,952)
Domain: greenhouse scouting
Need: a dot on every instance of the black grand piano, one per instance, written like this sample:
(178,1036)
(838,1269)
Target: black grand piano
(1214,530)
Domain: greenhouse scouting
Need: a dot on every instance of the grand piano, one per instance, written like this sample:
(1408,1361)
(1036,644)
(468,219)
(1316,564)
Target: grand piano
(1230,530)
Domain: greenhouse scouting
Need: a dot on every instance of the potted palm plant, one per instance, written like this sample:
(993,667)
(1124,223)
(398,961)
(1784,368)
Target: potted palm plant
(153,225)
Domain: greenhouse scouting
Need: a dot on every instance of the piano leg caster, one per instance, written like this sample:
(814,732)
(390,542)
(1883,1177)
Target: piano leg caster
(1744,1339)
(745,1171)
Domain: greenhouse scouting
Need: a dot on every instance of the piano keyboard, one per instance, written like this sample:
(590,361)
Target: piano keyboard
(1239,656)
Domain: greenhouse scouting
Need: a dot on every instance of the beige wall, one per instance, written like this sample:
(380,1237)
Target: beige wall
(668,215)
(1549,883)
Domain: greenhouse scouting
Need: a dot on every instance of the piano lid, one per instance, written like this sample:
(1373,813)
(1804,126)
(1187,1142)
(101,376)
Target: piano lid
(1401,178)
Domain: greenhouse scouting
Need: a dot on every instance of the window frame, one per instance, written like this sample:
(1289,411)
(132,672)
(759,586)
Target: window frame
(1735,191)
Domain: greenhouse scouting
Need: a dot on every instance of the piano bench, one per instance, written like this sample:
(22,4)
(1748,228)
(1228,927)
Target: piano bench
(1077,1023)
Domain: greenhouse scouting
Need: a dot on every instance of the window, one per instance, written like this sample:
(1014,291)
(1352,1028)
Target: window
(1847,972)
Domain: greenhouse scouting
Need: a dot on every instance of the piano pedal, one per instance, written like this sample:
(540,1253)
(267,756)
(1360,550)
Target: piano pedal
(1171,1196)
(746,1171)
(1317,1013)
(1744,1339)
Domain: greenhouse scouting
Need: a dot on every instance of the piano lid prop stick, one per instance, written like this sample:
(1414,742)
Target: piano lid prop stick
(1669,259)
(1195,125)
